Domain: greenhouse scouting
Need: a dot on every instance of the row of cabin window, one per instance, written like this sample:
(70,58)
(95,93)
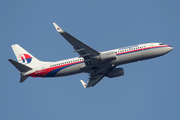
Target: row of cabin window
(130,49)
(66,62)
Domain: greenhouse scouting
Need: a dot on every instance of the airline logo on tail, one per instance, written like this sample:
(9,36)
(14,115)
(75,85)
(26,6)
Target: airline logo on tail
(25,58)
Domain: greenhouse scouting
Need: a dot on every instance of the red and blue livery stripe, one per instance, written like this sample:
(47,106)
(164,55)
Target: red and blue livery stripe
(52,71)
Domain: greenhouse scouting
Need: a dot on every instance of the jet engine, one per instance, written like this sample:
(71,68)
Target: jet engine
(107,56)
(115,72)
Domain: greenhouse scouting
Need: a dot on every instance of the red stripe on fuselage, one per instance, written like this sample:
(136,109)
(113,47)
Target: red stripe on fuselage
(143,49)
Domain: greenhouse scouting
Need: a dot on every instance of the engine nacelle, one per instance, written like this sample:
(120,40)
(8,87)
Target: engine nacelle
(115,72)
(108,56)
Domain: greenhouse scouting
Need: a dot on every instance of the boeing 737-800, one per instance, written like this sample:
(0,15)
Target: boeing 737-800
(96,64)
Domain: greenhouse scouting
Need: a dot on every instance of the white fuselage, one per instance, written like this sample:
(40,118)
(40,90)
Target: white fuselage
(123,56)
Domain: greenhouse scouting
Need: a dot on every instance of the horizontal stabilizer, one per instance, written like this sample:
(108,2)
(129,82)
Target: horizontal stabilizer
(23,78)
(19,66)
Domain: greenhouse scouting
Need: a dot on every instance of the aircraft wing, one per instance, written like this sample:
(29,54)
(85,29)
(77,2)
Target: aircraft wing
(82,49)
(95,77)
(89,55)
(93,80)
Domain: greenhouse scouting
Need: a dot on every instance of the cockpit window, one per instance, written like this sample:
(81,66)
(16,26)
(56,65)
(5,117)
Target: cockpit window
(161,44)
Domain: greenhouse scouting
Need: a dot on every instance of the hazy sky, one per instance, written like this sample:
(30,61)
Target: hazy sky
(149,90)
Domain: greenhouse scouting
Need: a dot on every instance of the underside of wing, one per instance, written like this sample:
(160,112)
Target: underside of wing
(95,77)
(82,49)
(93,80)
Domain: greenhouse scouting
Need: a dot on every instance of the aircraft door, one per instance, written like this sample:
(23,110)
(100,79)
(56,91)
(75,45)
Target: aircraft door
(152,46)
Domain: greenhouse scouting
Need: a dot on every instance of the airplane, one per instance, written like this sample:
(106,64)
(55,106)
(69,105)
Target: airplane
(97,64)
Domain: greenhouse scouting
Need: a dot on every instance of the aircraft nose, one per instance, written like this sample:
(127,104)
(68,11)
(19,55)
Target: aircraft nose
(170,48)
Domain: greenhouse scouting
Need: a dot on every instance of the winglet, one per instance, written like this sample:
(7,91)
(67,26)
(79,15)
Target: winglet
(83,83)
(57,28)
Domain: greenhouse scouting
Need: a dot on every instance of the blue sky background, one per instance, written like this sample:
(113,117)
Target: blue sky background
(149,90)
